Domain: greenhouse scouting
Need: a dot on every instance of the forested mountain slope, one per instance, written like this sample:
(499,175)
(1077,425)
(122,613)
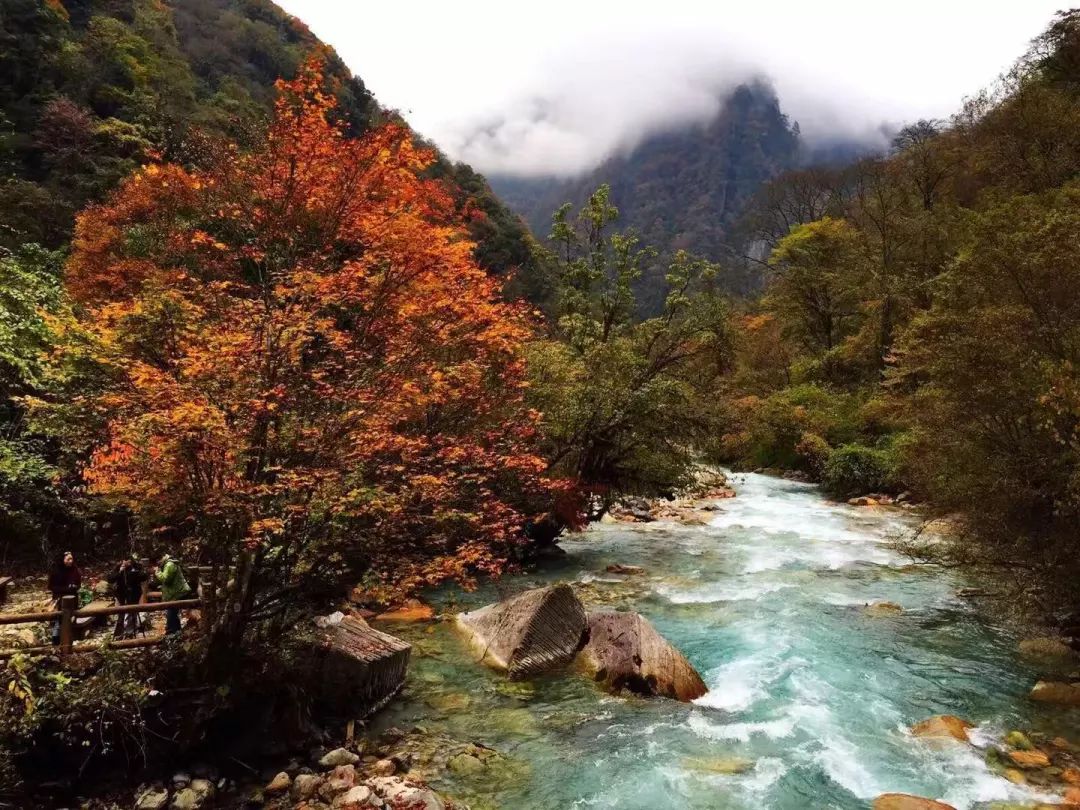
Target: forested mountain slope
(683,189)
(90,89)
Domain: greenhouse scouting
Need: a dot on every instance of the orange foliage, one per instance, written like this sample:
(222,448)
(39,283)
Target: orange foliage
(306,359)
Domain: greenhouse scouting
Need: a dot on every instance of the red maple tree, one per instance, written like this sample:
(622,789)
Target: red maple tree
(307,372)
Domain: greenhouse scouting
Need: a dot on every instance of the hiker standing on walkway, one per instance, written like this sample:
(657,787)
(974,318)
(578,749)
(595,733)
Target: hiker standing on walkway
(127,581)
(173,587)
(65,579)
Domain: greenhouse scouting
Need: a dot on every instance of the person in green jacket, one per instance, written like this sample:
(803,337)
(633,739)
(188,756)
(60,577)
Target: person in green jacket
(170,576)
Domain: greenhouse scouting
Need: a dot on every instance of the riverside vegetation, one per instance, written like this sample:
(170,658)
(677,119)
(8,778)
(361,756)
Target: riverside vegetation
(284,337)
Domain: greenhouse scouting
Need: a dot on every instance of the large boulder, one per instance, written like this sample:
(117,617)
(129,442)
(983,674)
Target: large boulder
(353,669)
(534,632)
(624,651)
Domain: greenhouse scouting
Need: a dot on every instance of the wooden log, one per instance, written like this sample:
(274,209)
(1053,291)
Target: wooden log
(113,610)
(124,644)
(625,651)
(356,669)
(534,632)
(29,618)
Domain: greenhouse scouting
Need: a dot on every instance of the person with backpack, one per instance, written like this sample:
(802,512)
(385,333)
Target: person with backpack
(127,584)
(174,586)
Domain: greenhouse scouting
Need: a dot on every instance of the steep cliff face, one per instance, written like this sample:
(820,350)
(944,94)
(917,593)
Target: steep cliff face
(681,189)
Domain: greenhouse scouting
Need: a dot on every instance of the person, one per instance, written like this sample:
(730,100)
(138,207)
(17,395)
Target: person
(173,587)
(127,581)
(65,579)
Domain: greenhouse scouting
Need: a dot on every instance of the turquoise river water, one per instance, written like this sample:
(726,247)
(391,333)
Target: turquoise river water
(810,693)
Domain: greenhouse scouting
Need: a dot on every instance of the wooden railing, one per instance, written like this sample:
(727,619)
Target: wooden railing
(69,613)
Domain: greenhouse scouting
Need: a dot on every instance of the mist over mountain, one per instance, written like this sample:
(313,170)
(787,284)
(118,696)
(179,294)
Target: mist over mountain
(685,188)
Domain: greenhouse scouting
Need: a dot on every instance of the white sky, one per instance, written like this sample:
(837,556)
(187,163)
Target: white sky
(556,86)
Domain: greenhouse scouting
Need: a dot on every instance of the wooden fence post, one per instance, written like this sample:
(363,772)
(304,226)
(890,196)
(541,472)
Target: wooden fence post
(209,608)
(68,606)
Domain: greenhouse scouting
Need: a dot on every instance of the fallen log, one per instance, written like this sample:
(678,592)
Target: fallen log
(534,632)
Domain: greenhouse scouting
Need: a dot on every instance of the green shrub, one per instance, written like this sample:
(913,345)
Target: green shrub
(855,469)
(778,425)
(813,452)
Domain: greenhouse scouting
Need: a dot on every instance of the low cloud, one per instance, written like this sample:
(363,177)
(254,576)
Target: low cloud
(553,88)
(586,108)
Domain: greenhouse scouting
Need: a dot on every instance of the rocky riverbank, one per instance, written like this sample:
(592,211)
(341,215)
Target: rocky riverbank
(693,506)
(362,776)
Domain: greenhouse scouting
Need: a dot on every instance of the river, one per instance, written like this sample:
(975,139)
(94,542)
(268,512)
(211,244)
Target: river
(810,699)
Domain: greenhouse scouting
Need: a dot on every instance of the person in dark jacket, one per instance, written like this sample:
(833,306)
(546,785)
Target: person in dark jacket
(127,584)
(64,580)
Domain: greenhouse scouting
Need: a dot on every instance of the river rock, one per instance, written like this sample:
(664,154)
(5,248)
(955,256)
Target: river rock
(863,500)
(339,756)
(306,785)
(534,632)
(1046,648)
(279,784)
(1056,692)
(1019,741)
(1030,760)
(1015,775)
(357,798)
(194,796)
(628,570)
(154,798)
(624,650)
(400,793)
(880,610)
(727,766)
(944,725)
(905,801)
(465,764)
(384,767)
